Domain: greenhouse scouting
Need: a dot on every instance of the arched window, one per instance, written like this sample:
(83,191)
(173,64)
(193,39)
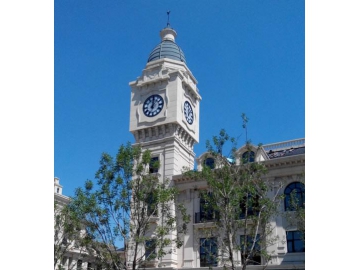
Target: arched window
(248,156)
(209,162)
(294,196)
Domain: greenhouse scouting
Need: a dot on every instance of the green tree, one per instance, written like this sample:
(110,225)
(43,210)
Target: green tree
(129,206)
(241,201)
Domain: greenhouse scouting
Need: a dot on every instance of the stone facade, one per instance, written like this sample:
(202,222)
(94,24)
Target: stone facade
(164,118)
(281,171)
(74,258)
(169,134)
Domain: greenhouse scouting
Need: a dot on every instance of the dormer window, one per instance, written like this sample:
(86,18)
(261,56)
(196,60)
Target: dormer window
(209,162)
(248,156)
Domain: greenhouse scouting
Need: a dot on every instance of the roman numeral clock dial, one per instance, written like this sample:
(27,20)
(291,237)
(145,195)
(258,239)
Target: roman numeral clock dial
(153,105)
(188,112)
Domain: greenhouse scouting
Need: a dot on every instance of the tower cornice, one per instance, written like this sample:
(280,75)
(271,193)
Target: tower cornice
(161,132)
(159,73)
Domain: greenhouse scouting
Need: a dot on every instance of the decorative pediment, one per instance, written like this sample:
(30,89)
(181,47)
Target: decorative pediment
(251,152)
(211,160)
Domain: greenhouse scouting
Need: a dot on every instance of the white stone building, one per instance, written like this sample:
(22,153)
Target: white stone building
(75,258)
(164,118)
(285,162)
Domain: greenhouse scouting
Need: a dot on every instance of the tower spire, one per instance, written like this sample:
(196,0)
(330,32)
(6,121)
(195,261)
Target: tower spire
(168,21)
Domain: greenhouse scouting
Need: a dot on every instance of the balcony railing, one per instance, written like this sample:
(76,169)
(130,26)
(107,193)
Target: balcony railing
(201,217)
(284,145)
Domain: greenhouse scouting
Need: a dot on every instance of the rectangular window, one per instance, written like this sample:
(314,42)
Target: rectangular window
(151,202)
(254,258)
(295,241)
(150,249)
(79,265)
(64,241)
(207,213)
(208,252)
(251,204)
(154,165)
(63,262)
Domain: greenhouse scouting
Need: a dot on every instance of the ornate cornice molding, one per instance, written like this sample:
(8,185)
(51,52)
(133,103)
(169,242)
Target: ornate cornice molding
(270,164)
(285,161)
(151,134)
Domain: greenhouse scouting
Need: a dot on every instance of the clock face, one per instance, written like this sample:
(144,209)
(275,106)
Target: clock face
(153,105)
(188,112)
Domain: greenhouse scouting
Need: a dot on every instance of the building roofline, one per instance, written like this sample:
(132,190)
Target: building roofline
(284,145)
(282,162)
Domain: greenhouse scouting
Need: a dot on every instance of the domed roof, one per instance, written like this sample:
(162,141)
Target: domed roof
(167,47)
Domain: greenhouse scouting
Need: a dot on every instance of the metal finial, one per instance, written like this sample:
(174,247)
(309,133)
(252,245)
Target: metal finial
(168,21)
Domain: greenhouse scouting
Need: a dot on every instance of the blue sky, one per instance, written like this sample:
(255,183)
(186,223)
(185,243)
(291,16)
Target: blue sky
(248,56)
(61,127)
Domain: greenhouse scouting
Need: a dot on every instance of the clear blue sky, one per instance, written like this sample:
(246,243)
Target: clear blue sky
(248,56)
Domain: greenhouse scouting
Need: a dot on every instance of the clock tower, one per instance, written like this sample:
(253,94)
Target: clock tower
(164,111)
